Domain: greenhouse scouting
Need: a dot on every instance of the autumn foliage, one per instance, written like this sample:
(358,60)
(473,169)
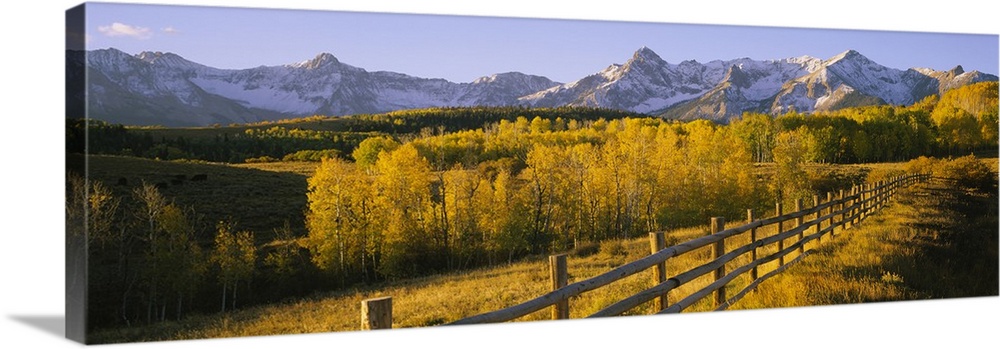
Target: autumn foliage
(487,196)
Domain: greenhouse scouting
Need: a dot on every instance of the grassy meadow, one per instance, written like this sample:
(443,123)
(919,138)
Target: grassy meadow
(268,194)
(920,246)
(933,243)
(285,227)
(430,300)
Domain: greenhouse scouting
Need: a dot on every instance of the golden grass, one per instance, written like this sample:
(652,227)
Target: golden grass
(267,197)
(305,168)
(420,302)
(445,298)
(880,260)
(934,242)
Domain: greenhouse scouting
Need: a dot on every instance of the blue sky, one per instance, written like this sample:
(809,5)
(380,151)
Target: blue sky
(461,48)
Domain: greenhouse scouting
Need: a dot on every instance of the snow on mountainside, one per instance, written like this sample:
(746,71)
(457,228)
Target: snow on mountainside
(721,90)
(850,74)
(166,89)
(127,89)
(954,78)
(644,84)
(743,88)
(851,79)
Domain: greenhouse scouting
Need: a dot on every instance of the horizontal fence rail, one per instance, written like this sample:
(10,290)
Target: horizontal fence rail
(838,213)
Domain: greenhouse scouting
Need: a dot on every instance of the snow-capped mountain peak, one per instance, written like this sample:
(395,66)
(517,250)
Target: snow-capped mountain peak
(500,77)
(810,63)
(848,55)
(167,59)
(646,54)
(737,77)
(319,61)
(157,88)
(644,59)
(166,89)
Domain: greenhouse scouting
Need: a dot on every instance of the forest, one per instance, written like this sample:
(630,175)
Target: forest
(297,139)
(407,194)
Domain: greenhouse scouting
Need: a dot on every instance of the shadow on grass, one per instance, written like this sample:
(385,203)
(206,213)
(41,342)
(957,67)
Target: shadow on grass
(952,242)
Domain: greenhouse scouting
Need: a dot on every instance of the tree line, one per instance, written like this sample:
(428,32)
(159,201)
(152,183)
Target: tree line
(305,139)
(232,146)
(960,121)
(527,186)
(400,205)
(149,259)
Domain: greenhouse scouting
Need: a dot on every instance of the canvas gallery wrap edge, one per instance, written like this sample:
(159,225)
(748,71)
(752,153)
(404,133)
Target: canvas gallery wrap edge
(205,189)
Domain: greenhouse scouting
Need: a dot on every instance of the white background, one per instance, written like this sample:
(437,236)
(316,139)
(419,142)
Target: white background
(31,247)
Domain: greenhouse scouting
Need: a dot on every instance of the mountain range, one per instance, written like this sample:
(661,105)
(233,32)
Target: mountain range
(155,88)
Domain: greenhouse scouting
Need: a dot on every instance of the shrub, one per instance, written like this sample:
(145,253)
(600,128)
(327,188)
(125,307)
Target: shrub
(881,174)
(968,172)
(311,155)
(613,248)
(587,248)
(922,164)
(261,159)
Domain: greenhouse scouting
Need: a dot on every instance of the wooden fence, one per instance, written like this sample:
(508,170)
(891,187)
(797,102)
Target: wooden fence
(835,214)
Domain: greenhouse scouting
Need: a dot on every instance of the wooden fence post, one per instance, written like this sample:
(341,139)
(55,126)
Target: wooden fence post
(866,204)
(848,202)
(861,203)
(829,200)
(885,193)
(888,187)
(376,313)
(718,225)
(781,242)
(657,243)
(854,201)
(818,223)
(840,208)
(876,202)
(798,223)
(753,240)
(559,275)
(879,194)
(873,199)
(888,190)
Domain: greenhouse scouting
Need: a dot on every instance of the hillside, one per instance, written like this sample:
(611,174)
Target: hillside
(235,143)
(267,199)
(887,258)
(438,201)
(923,247)
(425,301)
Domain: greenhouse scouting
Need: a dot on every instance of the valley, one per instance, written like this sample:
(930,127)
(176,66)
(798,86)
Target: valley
(489,188)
